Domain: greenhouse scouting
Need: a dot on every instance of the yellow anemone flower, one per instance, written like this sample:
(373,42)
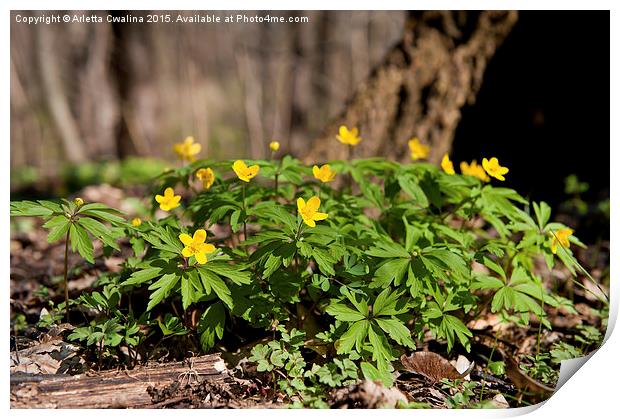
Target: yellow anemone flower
(309,211)
(274,146)
(561,237)
(418,150)
(493,168)
(323,173)
(206,176)
(187,150)
(475,170)
(78,202)
(136,222)
(169,200)
(446,164)
(349,137)
(244,172)
(196,246)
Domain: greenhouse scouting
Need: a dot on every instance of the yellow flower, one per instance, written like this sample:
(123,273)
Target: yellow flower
(323,173)
(244,172)
(206,176)
(348,137)
(136,222)
(274,146)
(187,150)
(196,246)
(474,169)
(418,150)
(169,200)
(78,202)
(493,168)
(447,165)
(308,211)
(561,237)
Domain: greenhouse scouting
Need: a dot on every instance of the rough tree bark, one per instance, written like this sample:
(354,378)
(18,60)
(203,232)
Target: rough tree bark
(421,86)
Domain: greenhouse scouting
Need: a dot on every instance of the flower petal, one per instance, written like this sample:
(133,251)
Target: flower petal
(169,192)
(207,248)
(195,148)
(185,238)
(316,172)
(318,216)
(310,222)
(159,199)
(199,236)
(313,204)
(301,204)
(187,252)
(201,258)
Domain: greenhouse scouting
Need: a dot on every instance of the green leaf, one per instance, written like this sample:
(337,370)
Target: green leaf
(372,373)
(98,230)
(354,336)
(388,271)
(381,349)
(344,313)
(411,187)
(211,281)
(233,272)
(325,261)
(81,241)
(396,330)
(58,226)
(211,325)
(29,209)
(104,215)
(163,287)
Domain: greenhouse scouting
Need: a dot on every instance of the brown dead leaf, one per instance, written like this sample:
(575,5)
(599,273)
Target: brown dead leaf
(432,366)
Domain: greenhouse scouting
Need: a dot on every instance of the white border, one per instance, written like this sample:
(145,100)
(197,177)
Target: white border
(593,390)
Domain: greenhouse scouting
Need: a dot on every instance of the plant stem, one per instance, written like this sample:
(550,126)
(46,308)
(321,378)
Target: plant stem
(245,228)
(276,184)
(66,275)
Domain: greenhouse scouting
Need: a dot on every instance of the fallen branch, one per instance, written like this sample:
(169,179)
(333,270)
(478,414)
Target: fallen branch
(110,389)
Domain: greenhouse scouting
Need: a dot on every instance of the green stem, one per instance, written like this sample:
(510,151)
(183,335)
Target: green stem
(276,184)
(66,276)
(245,228)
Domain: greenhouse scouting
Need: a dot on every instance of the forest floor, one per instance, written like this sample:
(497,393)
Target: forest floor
(46,367)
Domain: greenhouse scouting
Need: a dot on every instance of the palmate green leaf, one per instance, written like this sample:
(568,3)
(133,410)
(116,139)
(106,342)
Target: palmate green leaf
(453,325)
(387,303)
(372,373)
(98,230)
(487,282)
(325,261)
(162,288)
(191,289)
(81,241)
(381,349)
(396,330)
(30,209)
(439,260)
(410,186)
(353,337)
(235,273)
(392,269)
(211,325)
(344,313)
(211,281)
(385,249)
(58,225)
(108,215)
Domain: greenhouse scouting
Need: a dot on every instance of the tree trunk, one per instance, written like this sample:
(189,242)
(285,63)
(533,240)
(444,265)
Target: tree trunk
(421,86)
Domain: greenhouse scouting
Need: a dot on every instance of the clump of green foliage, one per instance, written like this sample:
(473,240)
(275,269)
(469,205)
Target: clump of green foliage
(405,250)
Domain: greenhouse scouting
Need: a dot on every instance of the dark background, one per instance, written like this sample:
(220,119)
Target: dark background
(543,108)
